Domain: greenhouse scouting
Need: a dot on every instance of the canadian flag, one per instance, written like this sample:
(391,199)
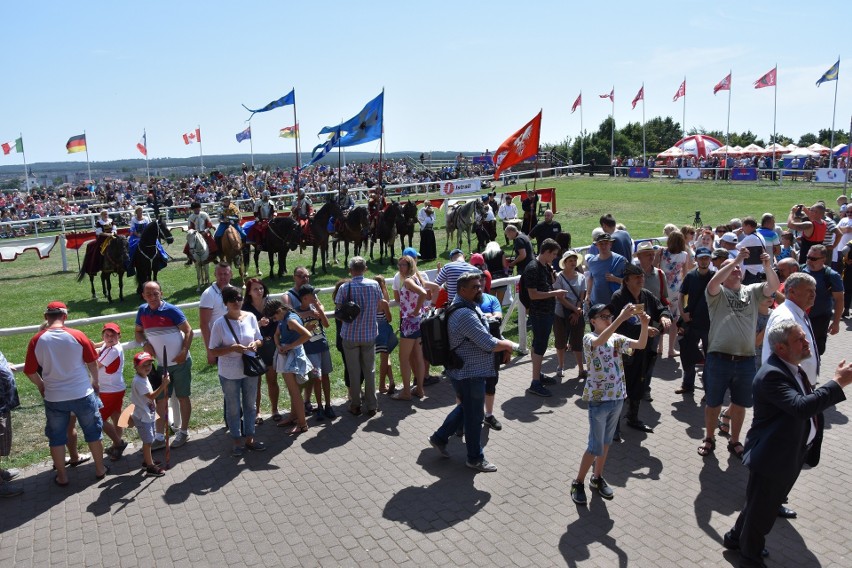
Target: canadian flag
(194,136)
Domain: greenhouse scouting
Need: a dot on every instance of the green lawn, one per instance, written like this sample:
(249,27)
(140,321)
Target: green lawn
(643,206)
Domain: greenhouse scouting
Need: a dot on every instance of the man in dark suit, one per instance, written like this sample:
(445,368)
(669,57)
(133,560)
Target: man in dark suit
(786,433)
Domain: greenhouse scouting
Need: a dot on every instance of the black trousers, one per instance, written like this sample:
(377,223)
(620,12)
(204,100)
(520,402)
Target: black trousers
(634,373)
(821,324)
(691,353)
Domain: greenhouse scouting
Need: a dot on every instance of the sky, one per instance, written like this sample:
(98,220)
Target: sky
(458,76)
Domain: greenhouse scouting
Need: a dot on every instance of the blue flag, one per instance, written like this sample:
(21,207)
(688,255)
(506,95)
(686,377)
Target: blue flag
(288,99)
(366,126)
(830,75)
(320,151)
(244,135)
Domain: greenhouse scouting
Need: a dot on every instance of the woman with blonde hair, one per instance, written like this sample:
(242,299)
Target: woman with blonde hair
(411,294)
(675,262)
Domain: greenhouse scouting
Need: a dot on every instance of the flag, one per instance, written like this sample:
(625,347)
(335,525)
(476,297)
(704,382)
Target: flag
(767,80)
(142,145)
(289,131)
(577,103)
(610,96)
(244,135)
(192,136)
(288,99)
(76,144)
(17,146)
(366,126)
(830,75)
(681,91)
(519,146)
(723,85)
(319,152)
(640,96)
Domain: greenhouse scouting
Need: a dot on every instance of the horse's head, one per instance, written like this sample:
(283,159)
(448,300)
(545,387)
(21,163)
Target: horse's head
(123,248)
(163,230)
(358,218)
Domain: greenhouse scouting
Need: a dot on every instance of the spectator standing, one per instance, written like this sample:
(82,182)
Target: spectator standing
(8,402)
(112,389)
(547,229)
(826,311)
(449,274)
(317,349)
(143,397)
(569,323)
(605,270)
(523,250)
(811,224)
(622,243)
(257,295)
(695,318)
(211,307)
(410,293)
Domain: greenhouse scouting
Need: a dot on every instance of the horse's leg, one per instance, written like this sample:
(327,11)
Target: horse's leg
(282,262)
(324,258)
(121,286)
(106,282)
(92,282)
(314,263)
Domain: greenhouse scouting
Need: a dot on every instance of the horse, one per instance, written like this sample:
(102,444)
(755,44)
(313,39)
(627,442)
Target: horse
(282,236)
(319,233)
(232,249)
(353,230)
(115,259)
(386,231)
(405,223)
(460,219)
(200,255)
(258,247)
(147,259)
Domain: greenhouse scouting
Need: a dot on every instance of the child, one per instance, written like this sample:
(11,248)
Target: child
(111,382)
(386,341)
(317,350)
(290,360)
(604,390)
(142,395)
(787,247)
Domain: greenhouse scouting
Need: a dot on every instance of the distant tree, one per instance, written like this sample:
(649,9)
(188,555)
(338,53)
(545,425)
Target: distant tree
(661,134)
(807,139)
(13,183)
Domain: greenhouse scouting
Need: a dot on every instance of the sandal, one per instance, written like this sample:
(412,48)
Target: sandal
(416,392)
(284,423)
(704,449)
(83,458)
(724,425)
(737,453)
(400,396)
(298,430)
(276,417)
(258,421)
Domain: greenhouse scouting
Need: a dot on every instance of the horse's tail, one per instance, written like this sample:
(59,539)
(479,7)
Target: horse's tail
(81,274)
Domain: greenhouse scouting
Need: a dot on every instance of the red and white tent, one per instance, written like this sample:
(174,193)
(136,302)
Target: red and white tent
(699,145)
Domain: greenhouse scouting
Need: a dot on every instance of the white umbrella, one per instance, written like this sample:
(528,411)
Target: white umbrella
(802,153)
(672,152)
(776,148)
(753,149)
(819,148)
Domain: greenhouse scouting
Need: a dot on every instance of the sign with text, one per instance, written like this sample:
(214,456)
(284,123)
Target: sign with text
(456,186)
(637,172)
(744,174)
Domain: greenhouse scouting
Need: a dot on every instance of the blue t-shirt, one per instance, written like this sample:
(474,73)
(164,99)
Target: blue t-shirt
(598,269)
(490,304)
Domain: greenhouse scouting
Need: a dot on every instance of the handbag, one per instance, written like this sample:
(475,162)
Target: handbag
(253,366)
(348,311)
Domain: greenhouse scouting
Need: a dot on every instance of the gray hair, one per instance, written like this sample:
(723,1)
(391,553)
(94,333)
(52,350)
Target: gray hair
(797,279)
(511,228)
(358,265)
(466,277)
(780,331)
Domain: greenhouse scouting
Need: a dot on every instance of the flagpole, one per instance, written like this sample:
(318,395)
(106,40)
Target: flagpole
(251,147)
(296,141)
(612,135)
(200,150)
(848,156)
(774,115)
(381,143)
(88,167)
(684,109)
(833,112)
(644,157)
(24,154)
(147,167)
(581,130)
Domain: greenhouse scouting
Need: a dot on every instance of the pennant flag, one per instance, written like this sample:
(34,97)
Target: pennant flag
(830,75)
(577,103)
(767,80)
(319,152)
(723,85)
(244,135)
(289,131)
(76,144)
(681,91)
(192,136)
(640,96)
(142,145)
(288,99)
(519,146)
(16,146)
(364,127)
(610,96)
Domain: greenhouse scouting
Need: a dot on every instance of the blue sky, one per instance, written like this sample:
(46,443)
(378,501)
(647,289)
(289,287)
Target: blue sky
(457,75)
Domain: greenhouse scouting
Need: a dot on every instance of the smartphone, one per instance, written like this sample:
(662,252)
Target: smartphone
(639,308)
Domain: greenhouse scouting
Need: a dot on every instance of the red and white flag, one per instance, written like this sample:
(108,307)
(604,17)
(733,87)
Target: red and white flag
(194,136)
(577,103)
(767,80)
(610,96)
(519,146)
(681,91)
(723,85)
(142,145)
(640,96)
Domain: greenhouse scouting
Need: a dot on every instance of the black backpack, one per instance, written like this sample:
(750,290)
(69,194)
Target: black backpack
(436,338)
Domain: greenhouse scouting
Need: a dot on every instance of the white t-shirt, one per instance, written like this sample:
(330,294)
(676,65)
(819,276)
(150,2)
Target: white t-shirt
(754,240)
(144,408)
(844,237)
(246,330)
(211,299)
(111,374)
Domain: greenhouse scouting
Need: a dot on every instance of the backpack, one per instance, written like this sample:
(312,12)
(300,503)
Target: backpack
(436,338)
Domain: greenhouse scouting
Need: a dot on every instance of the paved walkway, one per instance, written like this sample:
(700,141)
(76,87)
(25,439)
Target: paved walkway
(372,492)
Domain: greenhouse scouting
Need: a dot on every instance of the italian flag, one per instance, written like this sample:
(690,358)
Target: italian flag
(16,146)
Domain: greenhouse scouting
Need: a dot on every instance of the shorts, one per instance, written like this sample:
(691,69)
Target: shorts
(322,362)
(387,340)
(491,385)
(565,334)
(112,403)
(603,421)
(5,433)
(181,379)
(146,431)
(542,325)
(59,415)
(722,374)
(409,328)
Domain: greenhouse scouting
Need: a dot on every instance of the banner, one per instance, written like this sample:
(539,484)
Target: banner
(689,173)
(457,186)
(14,249)
(637,172)
(744,174)
(829,175)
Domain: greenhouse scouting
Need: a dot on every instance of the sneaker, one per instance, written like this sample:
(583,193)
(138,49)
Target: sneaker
(115,452)
(8,490)
(559,373)
(492,422)
(237,451)
(256,446)
(442,448)
(545,380)
(460,431)
(482,465)
(538,389)
(180,439)
(329,413)
(158,445)
(578,493)
(431,380)
(320,416)
(309,408)
(604,490)
(9,474)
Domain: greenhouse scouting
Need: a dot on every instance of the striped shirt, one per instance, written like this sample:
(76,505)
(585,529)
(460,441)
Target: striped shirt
(366,293)
(473,343)
(450,273)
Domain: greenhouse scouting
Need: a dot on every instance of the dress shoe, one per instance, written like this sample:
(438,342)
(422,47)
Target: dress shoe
(732,543)
(786,512)
(641,426)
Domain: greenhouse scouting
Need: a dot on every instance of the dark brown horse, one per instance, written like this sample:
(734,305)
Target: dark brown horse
(405,223)
(386,231)
(282,236)
(115,258)
(147,260)
(320,233)
(354,230)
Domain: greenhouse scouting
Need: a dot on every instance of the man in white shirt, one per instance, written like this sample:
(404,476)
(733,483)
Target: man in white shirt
(211,307)
(800,291)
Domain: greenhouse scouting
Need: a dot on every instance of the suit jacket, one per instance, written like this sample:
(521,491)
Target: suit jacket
(776,444)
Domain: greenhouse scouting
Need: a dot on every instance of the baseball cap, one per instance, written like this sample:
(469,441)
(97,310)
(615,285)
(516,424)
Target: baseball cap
(719,253)
(454,252)
(411,251)
(603,237)
(598,308)
(730,238)
(56,308)
(703,251)
(141,357)
(112,327)
(476,259)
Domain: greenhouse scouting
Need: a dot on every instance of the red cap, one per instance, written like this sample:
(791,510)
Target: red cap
(476,259)
(141,357)
(112,327)
(56,308)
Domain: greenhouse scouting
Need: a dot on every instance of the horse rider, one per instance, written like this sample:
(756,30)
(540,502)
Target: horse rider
(375,205)
(199,220)
(303,210)
(484,218)
(346,203)
(230,215)
(264,211)
(530,208)
(104,232)
(138,223)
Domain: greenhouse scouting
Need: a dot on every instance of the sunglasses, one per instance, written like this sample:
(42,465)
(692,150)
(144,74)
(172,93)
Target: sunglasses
(815,258)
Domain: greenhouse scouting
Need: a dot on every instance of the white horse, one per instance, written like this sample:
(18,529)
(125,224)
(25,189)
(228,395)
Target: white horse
(199,253)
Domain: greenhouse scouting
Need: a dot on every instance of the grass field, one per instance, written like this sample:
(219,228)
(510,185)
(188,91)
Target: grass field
(644,207)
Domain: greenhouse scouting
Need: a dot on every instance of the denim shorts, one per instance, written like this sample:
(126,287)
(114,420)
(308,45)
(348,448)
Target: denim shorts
(87,411)
(146,431)
(603,421)
(542,326)
(721,374)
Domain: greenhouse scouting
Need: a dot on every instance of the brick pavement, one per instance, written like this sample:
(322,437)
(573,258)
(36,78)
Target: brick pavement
(372,492)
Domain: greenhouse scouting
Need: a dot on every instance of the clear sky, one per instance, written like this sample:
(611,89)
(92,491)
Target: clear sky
(457,75)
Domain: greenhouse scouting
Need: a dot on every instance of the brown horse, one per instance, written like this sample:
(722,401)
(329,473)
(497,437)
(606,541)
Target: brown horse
(405,223)
(115,258)
(282,236)
(386,231)
(320,234)
(232,250)
(354,230)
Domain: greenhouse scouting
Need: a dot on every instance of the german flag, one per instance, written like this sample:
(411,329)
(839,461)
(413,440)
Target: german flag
(76,144)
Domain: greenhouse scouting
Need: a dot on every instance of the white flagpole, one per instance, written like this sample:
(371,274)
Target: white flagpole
(684,109)
(88,168)
(728,130)
(297,143)
(26,171)
(774,115)
(612,135)
(147,166)
(200,150)
(251,146)
(833,112)
(644,157)
(581,129)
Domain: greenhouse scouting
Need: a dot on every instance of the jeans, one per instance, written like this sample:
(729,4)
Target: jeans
(240,394)
(470,412)
(361,360)
(58,416)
